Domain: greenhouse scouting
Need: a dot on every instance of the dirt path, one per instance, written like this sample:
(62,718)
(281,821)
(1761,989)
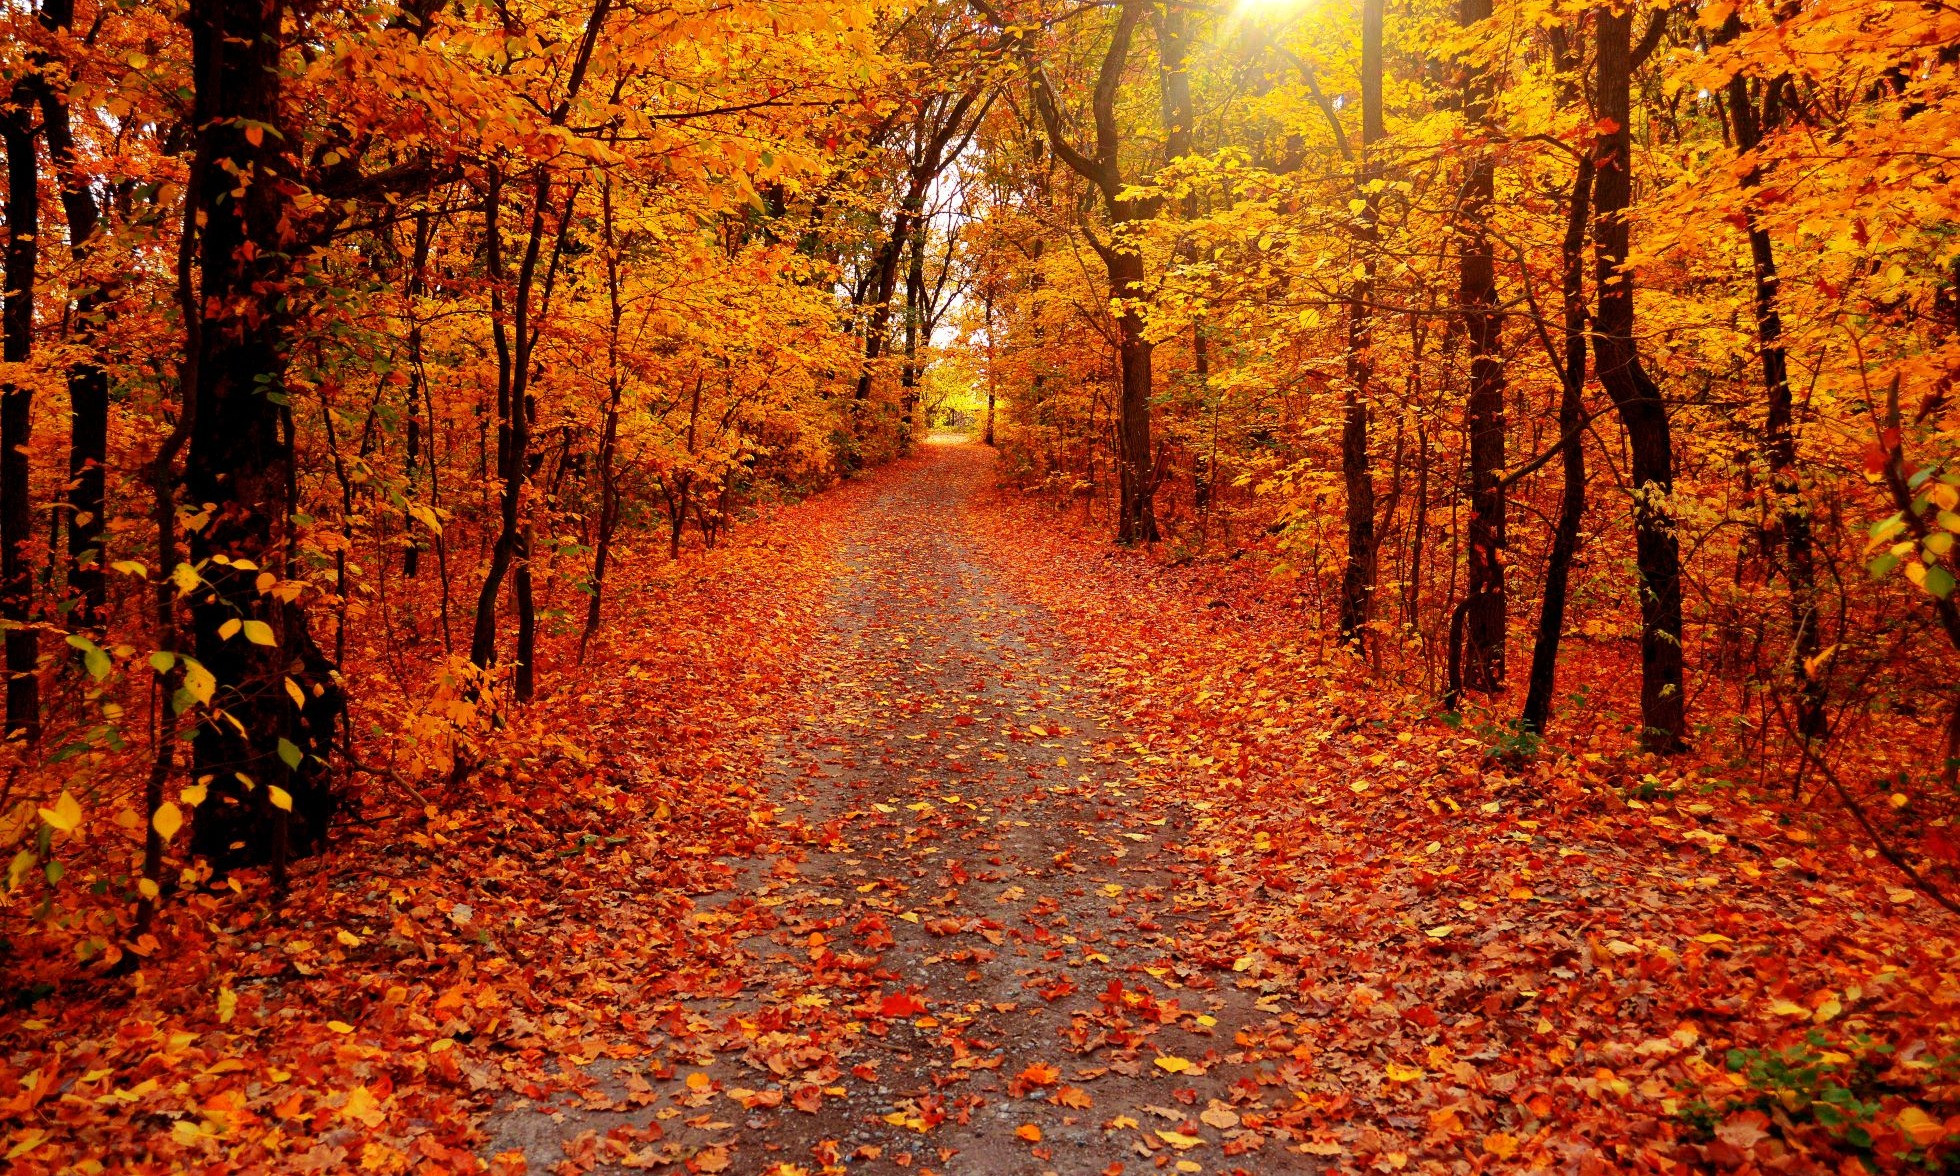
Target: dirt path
(973,954)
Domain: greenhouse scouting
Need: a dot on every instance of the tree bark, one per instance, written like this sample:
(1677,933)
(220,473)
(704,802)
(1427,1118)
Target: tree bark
(16,414)
(1358,576)
(1136,513)
(514,343)
(987,303)
(1789,532)
(1636,397)
(915,292)
(277,692)
(22,264)
(609,431)
(418,284)
(88,382)
(1485,621)
(1572,498)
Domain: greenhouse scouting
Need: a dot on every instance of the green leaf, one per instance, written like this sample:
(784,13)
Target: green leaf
(17,869)
(290,754)
(97,661)
(259,633)
(199,682)
(162,660)
(1938,581)
(1882,566)
(1884,529)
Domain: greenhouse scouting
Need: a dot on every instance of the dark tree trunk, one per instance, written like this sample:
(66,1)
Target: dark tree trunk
(1180,118)
(515,341)
(88,382)
(883,285)
(915,292)
(275,688)
(987,437)
(483,635)
(17,413)
(418,284)
(609,433)
(1572,499)
(1657,552)
(1789,534)
(1137,518)
(1358,576)
(1485,628)
(1136,513)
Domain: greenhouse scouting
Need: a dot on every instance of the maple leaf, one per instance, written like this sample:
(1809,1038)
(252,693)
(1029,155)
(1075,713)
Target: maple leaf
(1744,1130)
(901,1004)
(1039,1074)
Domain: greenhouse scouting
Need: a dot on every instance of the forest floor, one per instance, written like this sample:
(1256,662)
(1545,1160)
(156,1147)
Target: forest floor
(1096,888)
(909,831)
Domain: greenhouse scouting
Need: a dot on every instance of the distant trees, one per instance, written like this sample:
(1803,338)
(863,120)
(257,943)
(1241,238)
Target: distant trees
(1370,280)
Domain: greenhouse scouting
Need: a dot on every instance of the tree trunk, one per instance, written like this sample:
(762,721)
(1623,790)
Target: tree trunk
(987,438)
(88,382)
(884,285)
(1485,627)
(17,415)
(609,431)
(1137,514)
(274,687)
(1789,530)
(915,289)
(418,285)
(1657,552)
(1572,499)
(1358,577)
(514,343)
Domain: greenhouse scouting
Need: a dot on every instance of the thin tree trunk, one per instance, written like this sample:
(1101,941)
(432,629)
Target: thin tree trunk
(417,286)
(1790,527)
(1572,499)
(987,438)
(609,432)
(1136,520)
(88,381)
(1657,552)
(514,345)
(1358,576)
(915,289)
(1485,622)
